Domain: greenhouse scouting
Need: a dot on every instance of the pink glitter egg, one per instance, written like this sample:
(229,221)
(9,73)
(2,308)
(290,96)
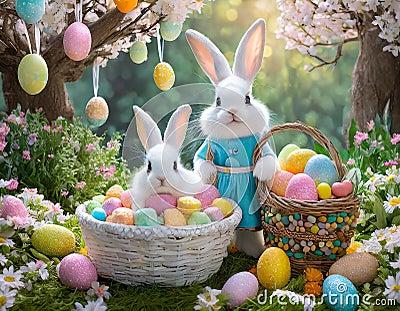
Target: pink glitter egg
(77,271)
(214,213)
(301,187)
(111,204)
(13,207)
(207,196)
(126,199)
(160,202)
(239,287)
(77,41)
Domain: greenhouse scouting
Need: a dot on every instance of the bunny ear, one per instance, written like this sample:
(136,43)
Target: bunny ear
(176,129)
(209,57)
(147,129)
(250,52)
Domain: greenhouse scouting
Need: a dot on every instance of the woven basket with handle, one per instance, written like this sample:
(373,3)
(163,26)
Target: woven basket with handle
(292,224)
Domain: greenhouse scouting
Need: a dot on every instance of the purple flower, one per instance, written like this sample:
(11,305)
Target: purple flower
(80,185)
(359,137)
(395,139)
(32,139)
(351,162)
(26,155)
(390,163)
(13,184)
(15,146)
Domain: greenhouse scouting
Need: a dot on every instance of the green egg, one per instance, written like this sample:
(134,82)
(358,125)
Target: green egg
(138,52)
(288,149)
(32,74)
(170,31)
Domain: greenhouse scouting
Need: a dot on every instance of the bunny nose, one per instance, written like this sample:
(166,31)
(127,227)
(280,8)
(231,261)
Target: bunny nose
(161,179)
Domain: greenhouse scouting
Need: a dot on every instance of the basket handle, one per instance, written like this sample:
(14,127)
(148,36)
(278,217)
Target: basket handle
(316,134)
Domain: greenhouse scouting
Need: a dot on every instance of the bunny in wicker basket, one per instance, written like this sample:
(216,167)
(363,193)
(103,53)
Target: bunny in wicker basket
(233,126)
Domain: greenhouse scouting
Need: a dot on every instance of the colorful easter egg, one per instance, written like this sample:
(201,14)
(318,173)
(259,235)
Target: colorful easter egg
(297,160)
(146,217)
(125,6)
(199,218)
(207,195)
(77,271)
(91,205)
(138,52)
(33,74)
(173,217)
(99,198)
(281,180)
(160,202)
(164,76)
(288,149)
(339,293)
(13,207)
(169,31)
(114,191)
(301,187)
(77,41)
(224,205)
(99,214)
(126,199)
(110,205)
(188,205)
(341,189)
(324,191)
(53,240)
(273,268)
(122,215)
(214,213)
(321,169)
(239,287)
(97,111)
(31,11)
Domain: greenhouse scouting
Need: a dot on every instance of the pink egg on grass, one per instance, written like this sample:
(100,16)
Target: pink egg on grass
(161,202)
(13,207)
(207,195)
(77,271)
(301,187)
(77,41)
(111,204)
(239,287)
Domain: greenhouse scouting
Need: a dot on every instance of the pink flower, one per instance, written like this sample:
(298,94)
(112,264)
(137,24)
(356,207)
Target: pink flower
(4,130)
(64,193)
(50,156)
(40,109)
(390,163)
(107,175)
(26,155)
(39,264)
(395,139)
(56,208)
(89,148)
(19,221)
(359,137)
(3,145)
(46,128)
(22,114)
(351,162)
(30,191)
(32,139)
(13,184)
(373,144)
(80,185)
(370,125)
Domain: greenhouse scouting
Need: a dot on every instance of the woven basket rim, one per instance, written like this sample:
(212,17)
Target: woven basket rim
(155,232)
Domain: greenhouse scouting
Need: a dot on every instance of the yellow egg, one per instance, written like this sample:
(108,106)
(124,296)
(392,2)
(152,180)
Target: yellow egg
(224,205)
(164,76)
(285,152)
(324,191)
(273,268)
(297,160)
(32,74)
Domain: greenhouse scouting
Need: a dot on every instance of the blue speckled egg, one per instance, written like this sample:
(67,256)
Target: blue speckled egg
(99,214)
(321,169)
(340,294)
(31,11)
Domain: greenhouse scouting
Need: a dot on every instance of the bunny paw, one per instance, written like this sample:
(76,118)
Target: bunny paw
(265,168)
(206,170)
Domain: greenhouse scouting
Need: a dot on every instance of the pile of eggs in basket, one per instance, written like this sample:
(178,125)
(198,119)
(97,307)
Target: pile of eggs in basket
(161,209)
(305,175)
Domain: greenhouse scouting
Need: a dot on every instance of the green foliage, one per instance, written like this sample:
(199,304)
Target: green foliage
(64,161)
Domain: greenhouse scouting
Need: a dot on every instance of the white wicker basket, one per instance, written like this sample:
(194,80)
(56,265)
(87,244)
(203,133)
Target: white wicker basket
(162,255)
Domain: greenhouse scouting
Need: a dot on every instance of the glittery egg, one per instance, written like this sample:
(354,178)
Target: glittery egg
(173,217)
(239,287)
(288,149)
(169,31)
(297,160)
(146,217)
(273,268)
(138,52)
(207,195)
(160,202)
(99,214)
(359,268)
(125,6)
(114,191)
(91,205)
(31,11)
(224,205)
(77,41)
(321,169)
(164,76)
(126,199)
(13,207)
(33,74)
(199,218)
(53,240)
(122,215)
(214,213)
(97,111)
(111,204)
(339,293)
(301,187)
(341,189)
(281,180)
(77,271)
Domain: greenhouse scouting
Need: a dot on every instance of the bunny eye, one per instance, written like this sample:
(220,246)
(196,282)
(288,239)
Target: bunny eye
(248,100)
(175,166)
(148,167)
(218,102)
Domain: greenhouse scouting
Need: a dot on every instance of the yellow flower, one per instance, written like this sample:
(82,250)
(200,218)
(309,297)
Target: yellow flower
(314,275)
(83,251)
(312,288)
(354,246)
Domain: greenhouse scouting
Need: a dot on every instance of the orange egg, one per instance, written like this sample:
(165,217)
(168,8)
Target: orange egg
(125,6)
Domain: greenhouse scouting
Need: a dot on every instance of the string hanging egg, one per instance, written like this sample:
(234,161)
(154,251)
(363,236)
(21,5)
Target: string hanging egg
(125,6)
(32,73)
(138,52)
(30,11)
(169,31)
(164,76)
(77,41)
(97,111)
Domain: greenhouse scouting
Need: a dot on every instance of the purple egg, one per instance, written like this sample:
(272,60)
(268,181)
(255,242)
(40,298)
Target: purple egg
(77,41)
(111,204)
(239,287)
(77,271)
(13,207)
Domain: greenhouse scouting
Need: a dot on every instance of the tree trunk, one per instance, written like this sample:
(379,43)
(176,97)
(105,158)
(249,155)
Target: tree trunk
(376,79)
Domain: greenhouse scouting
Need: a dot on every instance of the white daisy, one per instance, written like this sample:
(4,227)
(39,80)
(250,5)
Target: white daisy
(97,305)
(396,264)
(391,204)
(381,234)
(208,299)
(11,279)
(392,290)
(43,272)
(392,242)
(30,267)
(7,242)
(7,298)
(370,246)
(99,291)
(3,260)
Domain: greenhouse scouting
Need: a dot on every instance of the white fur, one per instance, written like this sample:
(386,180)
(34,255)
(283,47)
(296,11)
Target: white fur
(234,118)
(179,182)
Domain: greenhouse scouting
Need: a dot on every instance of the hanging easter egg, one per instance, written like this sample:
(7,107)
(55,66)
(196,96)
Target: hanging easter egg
(97,111)
(164,76)
(77,41)
(138,52)
(31,11)
(125,6)
(33,74)
(169,31)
